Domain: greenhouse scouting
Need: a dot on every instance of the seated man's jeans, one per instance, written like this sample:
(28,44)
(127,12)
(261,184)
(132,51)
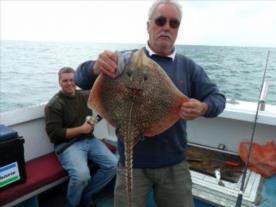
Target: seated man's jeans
(75,161)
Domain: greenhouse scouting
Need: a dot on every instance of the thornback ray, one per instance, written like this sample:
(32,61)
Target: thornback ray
(141,101)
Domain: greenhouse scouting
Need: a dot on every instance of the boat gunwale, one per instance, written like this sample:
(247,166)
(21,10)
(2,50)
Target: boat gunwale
(243,111)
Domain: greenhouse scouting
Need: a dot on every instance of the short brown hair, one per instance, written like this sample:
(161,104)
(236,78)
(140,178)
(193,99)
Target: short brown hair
(65,70)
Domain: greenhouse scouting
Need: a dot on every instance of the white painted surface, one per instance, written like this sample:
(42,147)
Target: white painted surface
(206,187)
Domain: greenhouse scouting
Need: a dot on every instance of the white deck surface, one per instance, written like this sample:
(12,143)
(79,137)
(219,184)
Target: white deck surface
(206,187)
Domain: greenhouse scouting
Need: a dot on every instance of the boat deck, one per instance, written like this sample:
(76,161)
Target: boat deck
(56,198)
(207,160)
(204,160)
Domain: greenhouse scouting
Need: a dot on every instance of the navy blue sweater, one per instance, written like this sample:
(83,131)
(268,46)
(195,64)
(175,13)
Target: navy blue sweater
(168,148)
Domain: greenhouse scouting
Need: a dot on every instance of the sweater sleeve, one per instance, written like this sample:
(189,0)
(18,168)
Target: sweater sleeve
(206,91)
(53,119)
(84,77)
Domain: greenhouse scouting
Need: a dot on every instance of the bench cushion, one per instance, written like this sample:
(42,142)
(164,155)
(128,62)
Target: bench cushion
(39,171)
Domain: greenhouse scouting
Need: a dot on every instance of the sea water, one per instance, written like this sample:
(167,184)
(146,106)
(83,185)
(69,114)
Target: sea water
(28,72)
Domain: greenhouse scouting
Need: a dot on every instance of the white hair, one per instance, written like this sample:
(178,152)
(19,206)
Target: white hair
(158,2)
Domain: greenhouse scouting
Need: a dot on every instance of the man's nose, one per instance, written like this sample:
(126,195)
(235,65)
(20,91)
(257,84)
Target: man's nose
(166,26)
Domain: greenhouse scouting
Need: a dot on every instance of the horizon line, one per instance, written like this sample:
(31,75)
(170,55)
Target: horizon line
(115,42)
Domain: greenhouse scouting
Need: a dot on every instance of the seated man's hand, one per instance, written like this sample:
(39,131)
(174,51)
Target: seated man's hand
(86,128)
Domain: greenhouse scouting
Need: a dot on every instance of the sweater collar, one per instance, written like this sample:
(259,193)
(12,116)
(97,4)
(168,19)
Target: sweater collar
(66,95)
(151,52)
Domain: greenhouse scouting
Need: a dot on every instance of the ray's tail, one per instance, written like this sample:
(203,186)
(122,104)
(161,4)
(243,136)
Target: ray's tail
(128,170)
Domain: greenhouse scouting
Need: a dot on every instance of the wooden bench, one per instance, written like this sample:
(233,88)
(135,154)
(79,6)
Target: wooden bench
(42,173)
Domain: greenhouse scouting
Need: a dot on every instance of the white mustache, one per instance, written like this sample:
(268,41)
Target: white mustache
(166,34)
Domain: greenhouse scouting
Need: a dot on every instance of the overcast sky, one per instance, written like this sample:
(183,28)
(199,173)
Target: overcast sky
(206,22)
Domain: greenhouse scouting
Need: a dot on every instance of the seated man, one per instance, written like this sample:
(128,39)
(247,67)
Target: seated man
(75,144)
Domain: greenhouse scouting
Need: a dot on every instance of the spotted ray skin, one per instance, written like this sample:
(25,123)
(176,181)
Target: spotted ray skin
(141,101)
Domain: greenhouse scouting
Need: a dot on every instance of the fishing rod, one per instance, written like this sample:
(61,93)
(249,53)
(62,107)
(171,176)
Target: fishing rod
(260,101)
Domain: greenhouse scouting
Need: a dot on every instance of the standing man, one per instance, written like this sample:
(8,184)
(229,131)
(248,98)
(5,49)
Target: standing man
(75,144)
(160,162)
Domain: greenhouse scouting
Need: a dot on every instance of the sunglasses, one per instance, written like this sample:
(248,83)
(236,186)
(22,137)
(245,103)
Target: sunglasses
(161,21)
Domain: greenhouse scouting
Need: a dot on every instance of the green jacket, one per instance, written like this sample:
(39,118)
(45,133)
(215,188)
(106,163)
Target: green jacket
(64,112)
